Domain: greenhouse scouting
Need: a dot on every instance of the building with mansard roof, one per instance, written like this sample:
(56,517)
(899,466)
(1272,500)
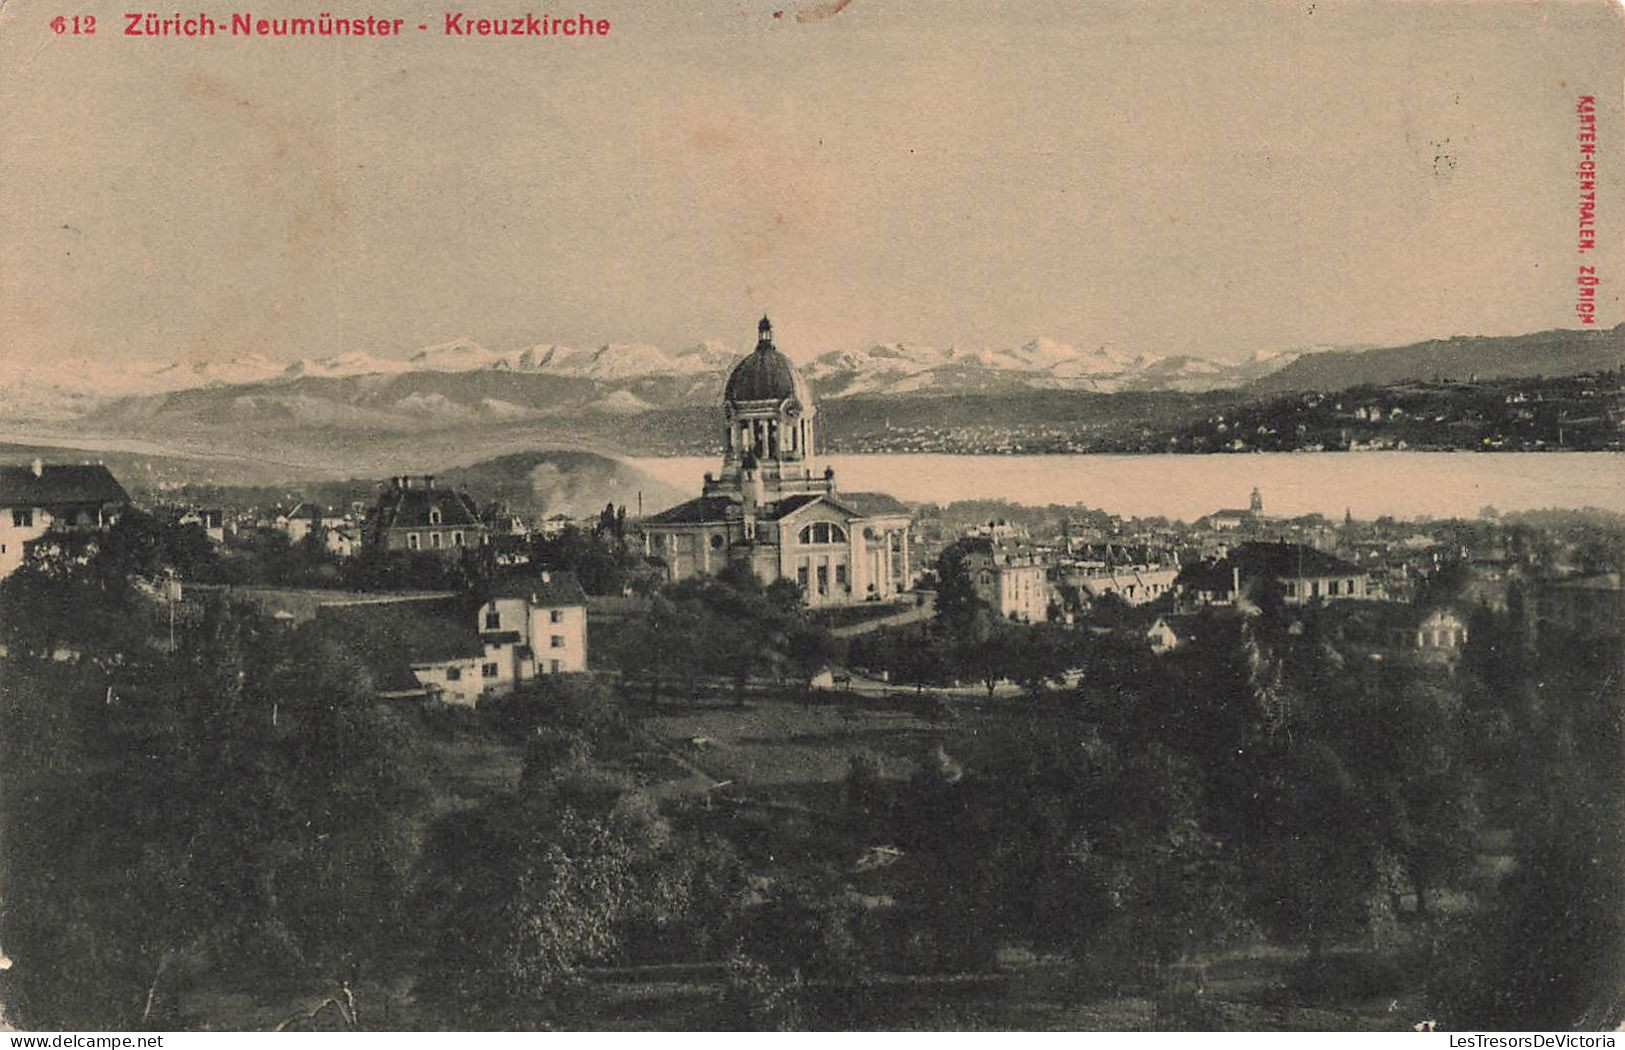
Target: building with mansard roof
(773,508)
(413,515)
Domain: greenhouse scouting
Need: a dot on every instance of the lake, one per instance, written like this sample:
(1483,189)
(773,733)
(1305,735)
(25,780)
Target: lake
(1370,484)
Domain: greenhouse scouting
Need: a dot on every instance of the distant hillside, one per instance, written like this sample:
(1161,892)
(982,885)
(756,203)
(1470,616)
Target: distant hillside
(148,475)
(1562,352)
(460,404)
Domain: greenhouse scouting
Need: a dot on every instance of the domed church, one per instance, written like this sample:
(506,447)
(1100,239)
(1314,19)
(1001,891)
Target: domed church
(773,508)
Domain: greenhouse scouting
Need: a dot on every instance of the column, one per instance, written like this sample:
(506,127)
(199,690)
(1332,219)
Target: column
(907,573)
(889,586)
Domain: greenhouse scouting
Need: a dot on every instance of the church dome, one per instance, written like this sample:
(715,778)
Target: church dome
(766,374)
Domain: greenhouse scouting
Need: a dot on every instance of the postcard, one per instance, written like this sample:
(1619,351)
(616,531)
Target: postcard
(835,515)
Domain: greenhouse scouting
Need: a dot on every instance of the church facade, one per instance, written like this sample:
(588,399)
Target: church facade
(774,509)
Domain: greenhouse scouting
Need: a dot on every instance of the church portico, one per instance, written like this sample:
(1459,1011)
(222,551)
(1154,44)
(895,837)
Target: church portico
(773,506)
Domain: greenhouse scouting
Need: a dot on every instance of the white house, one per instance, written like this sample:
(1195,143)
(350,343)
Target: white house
(527,628)
(339,534)
(51,497)
(534,626)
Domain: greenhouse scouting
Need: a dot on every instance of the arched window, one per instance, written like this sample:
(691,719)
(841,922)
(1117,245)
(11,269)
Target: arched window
(434,516)
(823,532)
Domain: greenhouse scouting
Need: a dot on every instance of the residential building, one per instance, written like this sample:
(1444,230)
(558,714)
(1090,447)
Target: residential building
(46,498)
(211,520)
(338,531)
(534,626)
(1165,636)
(413,515)
(1303,574)
(306,517)
(1438,634)
(417,646)
(410,647)
(1136,575)
(1012,578)
(1433,635)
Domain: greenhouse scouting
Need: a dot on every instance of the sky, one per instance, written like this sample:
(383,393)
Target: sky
(1212,178)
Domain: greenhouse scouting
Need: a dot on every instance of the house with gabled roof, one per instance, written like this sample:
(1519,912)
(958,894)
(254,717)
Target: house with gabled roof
(534,625)
(451,650)
(411,647)
(46,498)
(1168,633)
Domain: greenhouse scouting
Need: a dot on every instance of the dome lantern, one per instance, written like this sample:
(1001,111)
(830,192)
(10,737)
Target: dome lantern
(769,411)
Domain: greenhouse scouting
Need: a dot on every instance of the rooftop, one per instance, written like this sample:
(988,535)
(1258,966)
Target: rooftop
(389,637)
(557,590)
(1289,560)
(406,508)
(59,483)
(694,511)
(766,374)
(873,504)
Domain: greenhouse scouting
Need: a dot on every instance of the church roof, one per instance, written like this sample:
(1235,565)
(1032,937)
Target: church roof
(710,509)
(766,375)
(693,512)
(873,504)
(790,504)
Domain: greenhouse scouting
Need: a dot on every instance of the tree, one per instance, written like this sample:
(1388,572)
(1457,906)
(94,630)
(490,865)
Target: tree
(1316,879)
(661,646)
(501,935)
(957,601)
(210,834)
(1040,654)
(987,649)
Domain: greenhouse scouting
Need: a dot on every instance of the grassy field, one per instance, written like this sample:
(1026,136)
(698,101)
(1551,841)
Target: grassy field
(786,749)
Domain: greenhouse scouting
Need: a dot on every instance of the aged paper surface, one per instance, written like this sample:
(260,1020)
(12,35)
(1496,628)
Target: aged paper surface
(832,514)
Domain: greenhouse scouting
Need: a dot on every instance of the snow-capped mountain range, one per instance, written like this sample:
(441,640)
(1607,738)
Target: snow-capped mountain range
(65,388)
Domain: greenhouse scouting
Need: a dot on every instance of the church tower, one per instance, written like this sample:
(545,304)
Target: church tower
(768,440)
(774,508)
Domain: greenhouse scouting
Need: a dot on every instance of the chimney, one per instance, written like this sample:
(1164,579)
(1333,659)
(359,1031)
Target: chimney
(428,481)
(38,467)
